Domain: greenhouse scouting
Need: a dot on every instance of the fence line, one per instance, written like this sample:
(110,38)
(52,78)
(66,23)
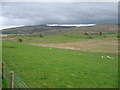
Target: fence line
(18,83)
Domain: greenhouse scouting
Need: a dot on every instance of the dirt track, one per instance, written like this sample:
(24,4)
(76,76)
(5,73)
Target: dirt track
(6,38)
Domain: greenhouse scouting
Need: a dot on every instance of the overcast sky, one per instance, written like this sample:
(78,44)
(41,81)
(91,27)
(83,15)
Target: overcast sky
(17,14)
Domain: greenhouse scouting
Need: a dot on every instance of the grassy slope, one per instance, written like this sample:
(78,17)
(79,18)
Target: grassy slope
(57,68)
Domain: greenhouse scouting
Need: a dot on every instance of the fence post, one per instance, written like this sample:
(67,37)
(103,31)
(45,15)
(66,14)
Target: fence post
(3,70)
(11,80)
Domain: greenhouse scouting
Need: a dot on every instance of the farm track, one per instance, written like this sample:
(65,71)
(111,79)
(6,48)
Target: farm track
(6,38)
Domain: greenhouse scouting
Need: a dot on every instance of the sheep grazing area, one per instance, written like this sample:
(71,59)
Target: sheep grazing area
(49,67)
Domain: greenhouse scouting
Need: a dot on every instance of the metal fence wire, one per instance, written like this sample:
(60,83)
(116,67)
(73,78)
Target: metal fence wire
(18,83)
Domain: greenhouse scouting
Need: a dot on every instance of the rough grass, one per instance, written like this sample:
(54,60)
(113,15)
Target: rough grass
(65,38)
(93,45)
(42,67)
(81,42)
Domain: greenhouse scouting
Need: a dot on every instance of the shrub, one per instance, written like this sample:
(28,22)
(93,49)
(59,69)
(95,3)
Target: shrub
(118,36)
(41,35)
(90,37)
(86,33)
(104,36)
(101,33)
(20,40)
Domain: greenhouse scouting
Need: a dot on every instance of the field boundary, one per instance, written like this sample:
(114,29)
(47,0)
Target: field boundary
(11,79)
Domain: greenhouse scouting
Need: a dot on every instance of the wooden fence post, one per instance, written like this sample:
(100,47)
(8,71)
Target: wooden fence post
(11,80)
(3,70)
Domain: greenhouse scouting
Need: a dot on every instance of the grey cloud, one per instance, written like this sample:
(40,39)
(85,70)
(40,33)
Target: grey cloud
(43,13)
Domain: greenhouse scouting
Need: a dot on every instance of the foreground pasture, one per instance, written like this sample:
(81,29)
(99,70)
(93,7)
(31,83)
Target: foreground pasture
(43,67)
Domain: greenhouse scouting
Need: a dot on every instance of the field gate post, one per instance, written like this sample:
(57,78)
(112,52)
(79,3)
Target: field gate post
(11,80)
(3,70)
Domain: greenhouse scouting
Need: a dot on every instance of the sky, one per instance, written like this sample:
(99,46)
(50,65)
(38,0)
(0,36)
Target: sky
(35,13)
(60,0)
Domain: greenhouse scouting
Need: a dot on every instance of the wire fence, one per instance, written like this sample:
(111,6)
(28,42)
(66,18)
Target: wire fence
(18,83)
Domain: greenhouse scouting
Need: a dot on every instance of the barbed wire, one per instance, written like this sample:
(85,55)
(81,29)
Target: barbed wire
(18,83)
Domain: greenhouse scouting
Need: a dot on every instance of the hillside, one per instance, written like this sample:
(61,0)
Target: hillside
(29,29)
(105,28)
(47,30)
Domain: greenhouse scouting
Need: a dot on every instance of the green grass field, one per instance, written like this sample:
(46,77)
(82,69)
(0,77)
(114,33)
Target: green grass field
(42,67)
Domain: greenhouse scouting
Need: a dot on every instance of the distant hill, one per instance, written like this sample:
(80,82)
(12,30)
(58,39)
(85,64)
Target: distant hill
(29,29)
(48,30)
(105,28)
